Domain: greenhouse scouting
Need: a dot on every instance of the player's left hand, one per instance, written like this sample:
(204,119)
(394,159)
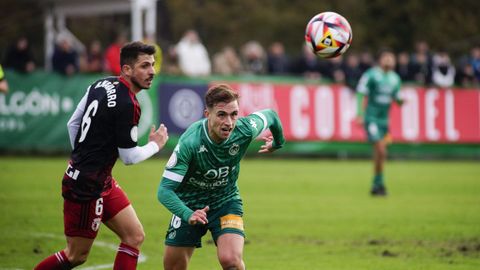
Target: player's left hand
(268,146)
(159,136)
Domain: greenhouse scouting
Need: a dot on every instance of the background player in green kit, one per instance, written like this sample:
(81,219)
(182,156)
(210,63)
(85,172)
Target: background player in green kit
(199,184)
(381,86)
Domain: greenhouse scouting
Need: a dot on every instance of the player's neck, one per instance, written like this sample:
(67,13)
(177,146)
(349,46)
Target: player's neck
(214,138)
(131,86)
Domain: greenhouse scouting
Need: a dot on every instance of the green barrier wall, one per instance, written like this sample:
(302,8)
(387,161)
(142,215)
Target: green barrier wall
(35,112)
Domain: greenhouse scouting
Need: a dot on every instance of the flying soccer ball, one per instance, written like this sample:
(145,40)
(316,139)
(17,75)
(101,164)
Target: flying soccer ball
(328,34)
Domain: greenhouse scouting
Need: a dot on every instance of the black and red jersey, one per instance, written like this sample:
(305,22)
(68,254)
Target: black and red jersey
(109,121)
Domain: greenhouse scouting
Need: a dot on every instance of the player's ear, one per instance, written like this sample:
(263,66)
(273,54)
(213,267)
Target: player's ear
(206,113)
(127,70)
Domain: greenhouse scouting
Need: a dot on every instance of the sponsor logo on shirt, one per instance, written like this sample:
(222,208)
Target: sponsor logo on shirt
(202,149)
(253,123)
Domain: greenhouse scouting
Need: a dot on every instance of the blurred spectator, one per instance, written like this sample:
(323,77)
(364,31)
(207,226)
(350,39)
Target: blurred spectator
(277,60)
(93,61)
(334,70)
(352,71)
(192,55)
(475,61)
(227,62)
(150,39)
(19,56)
(403,67)
(420,64)
(170,65)
(366,61)
(443,71)
(307,64)
(65,58)
(3,81)
(112,54)
(466,77)
(254,58)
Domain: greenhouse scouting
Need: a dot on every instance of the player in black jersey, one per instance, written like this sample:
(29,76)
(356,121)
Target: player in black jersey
(103,128)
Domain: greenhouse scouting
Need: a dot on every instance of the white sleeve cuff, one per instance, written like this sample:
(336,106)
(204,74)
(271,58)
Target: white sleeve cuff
(137,154)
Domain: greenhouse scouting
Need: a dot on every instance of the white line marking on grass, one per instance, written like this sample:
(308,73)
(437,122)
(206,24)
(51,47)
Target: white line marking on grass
(141,258)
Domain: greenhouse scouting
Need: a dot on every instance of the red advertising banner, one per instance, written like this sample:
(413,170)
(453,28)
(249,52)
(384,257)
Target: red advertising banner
(327,112)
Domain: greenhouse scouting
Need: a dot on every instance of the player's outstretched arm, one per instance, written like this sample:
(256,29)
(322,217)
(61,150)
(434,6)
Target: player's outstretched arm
(166,195)
(271,121)
(134,155)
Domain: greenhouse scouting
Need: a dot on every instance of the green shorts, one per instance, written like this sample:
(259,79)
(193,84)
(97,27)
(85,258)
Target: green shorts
(226,219)
(376,131)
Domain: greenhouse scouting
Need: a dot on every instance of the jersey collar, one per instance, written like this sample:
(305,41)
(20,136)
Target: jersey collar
(127,84)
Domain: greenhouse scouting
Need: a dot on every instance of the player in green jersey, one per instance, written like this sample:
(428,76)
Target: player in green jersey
(199,184)
(381,86)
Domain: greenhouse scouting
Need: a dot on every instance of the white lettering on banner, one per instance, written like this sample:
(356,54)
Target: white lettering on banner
(259,97)
(431,113)
(324,112)
(451,133)
(34,103)
(348,109)
(299,121)
(410,114)
(12,124)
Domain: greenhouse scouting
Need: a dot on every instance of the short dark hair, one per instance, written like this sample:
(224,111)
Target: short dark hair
(129,53)
(220,93)
(384,50)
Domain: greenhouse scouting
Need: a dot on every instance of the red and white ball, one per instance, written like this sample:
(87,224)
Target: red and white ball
(328,34)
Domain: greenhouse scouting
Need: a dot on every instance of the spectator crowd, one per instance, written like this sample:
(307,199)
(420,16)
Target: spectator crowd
(190,57)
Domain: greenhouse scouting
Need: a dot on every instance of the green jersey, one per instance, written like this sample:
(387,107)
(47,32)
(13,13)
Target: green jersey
(381,88)
(201,172)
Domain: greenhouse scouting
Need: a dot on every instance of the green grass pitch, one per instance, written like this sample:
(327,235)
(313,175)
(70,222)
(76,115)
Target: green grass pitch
(299,214)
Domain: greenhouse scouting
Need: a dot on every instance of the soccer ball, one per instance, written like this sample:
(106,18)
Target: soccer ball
(328,34)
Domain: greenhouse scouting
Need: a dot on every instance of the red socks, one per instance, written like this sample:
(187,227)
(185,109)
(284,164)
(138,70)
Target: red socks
(126,258)
(57,261)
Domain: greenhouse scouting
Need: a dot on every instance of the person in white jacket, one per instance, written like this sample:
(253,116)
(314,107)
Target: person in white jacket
(193,56)
(443,72)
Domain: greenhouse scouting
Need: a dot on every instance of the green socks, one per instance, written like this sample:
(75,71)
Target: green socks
(378,180)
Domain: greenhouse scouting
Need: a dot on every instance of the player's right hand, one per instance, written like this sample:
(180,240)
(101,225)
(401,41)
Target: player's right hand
(159,136)
(199,216)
